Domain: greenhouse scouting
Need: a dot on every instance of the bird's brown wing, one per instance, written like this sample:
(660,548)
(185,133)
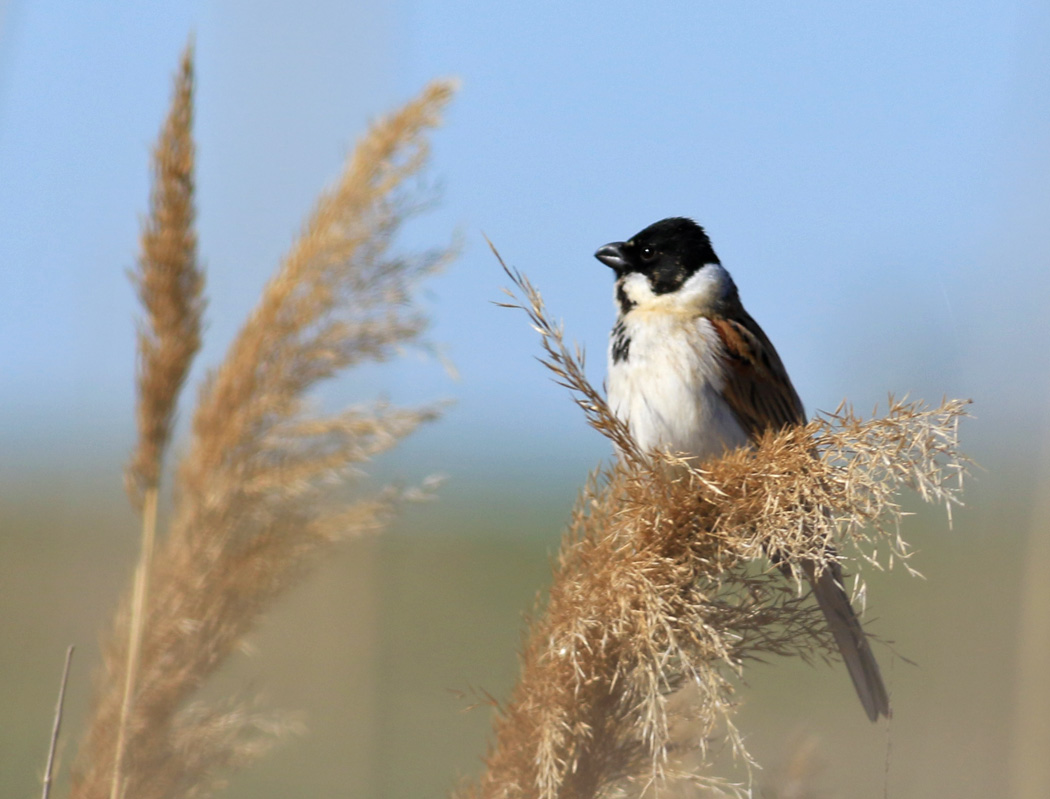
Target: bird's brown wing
(757,387)
(760,393)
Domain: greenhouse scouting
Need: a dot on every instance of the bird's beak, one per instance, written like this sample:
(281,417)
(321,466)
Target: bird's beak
(612,255)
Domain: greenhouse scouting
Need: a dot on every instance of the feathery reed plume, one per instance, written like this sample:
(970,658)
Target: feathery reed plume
(170,286)
(656,594)
(252,497)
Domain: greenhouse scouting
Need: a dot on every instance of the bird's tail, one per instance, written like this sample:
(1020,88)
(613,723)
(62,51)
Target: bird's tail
(851,640)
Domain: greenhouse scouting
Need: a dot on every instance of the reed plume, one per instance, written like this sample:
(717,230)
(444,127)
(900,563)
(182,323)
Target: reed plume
(659,598)
(253,496)
(170,285)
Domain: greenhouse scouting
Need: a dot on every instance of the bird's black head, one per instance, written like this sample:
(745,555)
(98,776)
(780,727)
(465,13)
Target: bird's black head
(667,252)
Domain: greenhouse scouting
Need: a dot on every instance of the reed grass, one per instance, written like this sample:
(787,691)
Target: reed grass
(257,491)
(56,726)
(662,593)
(170,286)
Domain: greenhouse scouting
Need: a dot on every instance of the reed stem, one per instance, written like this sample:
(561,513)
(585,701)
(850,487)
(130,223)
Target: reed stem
(139,597)
(57,726)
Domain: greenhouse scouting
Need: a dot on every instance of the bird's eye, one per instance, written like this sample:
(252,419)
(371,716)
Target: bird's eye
(648,253)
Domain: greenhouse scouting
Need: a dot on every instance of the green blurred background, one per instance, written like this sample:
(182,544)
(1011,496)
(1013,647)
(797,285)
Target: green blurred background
(875,178)
(383,652)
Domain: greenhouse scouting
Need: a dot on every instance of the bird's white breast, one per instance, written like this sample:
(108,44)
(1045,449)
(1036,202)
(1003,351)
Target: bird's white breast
(669,387)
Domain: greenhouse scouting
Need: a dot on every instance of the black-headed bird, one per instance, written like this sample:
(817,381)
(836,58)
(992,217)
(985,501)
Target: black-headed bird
(690,371)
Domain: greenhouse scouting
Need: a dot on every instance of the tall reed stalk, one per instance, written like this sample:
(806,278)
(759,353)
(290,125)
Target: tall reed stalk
(255,495)
(170,285)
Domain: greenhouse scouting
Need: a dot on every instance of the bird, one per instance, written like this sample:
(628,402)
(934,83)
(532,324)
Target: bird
(690,371)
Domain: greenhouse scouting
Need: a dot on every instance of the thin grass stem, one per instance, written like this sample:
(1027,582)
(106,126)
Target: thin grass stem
(139,598)
(57,726)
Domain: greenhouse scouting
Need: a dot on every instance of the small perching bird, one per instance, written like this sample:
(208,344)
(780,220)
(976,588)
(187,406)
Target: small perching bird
(690,371)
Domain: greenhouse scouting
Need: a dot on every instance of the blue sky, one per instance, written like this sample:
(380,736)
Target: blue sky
(875,177)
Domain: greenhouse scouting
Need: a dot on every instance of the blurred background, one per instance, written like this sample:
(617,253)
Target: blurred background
(874,175)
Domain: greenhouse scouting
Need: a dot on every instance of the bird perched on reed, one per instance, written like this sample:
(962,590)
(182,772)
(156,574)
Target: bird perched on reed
(692,372)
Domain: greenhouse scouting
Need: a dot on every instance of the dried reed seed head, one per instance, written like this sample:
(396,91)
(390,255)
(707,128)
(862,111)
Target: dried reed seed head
(254,499)
(306,326)
(660,584)
(170,285)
